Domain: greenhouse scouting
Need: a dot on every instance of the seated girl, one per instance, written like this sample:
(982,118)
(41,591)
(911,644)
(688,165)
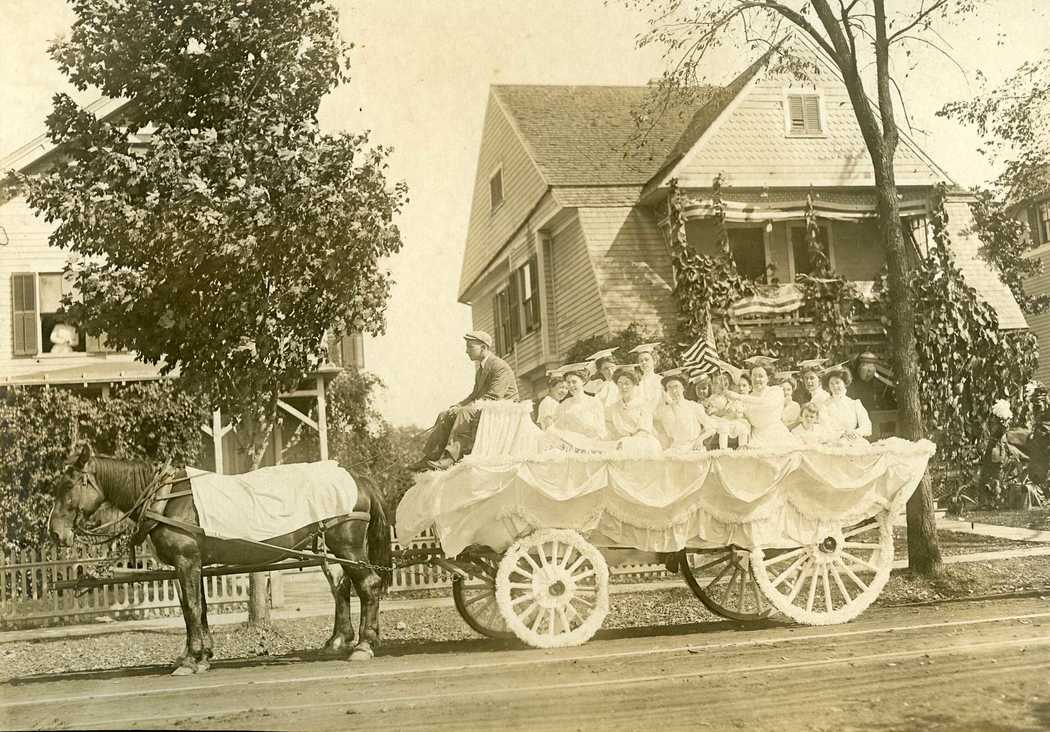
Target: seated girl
(809,429)
(549,404)
(843,417)
(764,408)
(628,420)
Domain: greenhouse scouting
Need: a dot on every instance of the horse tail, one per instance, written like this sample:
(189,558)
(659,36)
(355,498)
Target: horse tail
(379,550)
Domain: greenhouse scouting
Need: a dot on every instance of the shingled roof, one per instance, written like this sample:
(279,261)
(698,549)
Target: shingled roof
(590,135)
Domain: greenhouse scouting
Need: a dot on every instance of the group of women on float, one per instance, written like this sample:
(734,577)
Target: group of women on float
(634,409)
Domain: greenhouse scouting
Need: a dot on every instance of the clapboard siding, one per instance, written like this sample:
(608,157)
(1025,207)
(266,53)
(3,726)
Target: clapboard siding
(1040,324)
(632,265)
(488,230)
(577,300)
(751,147)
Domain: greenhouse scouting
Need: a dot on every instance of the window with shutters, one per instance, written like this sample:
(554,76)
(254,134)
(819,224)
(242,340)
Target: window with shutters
(39,325)
(496,189)
(804,115)
(528,287)
(501,322)
(1044,222)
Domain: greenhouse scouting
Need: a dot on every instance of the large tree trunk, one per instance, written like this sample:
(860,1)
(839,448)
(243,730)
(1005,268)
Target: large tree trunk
(924,553)
(252,452)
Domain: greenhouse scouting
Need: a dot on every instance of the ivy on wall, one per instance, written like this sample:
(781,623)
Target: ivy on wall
(966,363)
(152,420)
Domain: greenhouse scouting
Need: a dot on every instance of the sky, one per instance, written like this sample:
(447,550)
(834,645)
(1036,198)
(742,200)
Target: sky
(421,72)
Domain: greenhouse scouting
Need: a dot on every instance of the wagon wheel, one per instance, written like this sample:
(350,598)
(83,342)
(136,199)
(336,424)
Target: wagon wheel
(724,581)
(553,588)
(475,599)
(833,580)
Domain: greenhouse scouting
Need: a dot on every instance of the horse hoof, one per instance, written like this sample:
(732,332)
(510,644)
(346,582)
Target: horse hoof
(184,671)
(362,654)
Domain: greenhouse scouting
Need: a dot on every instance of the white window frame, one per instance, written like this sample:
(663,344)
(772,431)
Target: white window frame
(791,245)
(1042,221)
(495,206)
(40,352)
(821,113)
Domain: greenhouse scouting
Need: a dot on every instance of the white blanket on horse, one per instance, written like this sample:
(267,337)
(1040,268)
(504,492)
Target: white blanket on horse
(273,501)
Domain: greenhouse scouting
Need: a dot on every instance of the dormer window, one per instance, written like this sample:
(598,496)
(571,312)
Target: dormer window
(496,189)
(803,115)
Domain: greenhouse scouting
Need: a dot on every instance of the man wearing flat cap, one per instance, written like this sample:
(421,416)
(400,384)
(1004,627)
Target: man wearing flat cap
(452,436)
(868,388)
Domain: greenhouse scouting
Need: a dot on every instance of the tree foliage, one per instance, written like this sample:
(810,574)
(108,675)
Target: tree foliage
(1014,120)
(966,362)
(240,233)
(155,421)
(1004,241)
(623,341)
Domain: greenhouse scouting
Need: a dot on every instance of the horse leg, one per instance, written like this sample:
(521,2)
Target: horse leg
(348,541)
(368,587)
(205,660)
(343,630)
(188,571)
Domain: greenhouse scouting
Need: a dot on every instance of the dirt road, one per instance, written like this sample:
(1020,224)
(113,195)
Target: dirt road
(975,665)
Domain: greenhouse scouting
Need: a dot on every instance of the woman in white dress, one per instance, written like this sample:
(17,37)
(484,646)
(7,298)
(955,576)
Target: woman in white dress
(681,425)
(604,384)
(629,420)
(792,409)
(763,408)
(811,383)
(726,416)
(579,421)
(649,386)
(549,404)
(843,417)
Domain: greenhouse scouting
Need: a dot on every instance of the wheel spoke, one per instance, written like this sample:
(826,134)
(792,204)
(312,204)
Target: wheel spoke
(784,575)
(564,619)
(554,553)
(785,556)
(754,590)
(721,558)
(585,575)
(740,591)
(528,558)
(812,590)
(800,580)
(521,585)
(829,605)
(536,621)
(468,601)
(861,527)
(846,599)
(858,560)
(576,564)
(860,545)
(551,616)
(522,598)
(583,600)
(857,580)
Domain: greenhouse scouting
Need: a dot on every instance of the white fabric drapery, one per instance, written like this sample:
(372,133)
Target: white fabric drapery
(751,498)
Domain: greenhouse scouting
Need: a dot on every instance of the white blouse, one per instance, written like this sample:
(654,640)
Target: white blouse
(842,414)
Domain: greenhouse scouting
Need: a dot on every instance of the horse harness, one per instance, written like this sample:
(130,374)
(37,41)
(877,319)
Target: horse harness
(148,513)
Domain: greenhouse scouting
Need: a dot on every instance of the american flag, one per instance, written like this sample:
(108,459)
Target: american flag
(700,358)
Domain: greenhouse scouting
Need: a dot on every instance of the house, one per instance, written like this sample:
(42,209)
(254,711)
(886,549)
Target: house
(567,235)
(1035,212)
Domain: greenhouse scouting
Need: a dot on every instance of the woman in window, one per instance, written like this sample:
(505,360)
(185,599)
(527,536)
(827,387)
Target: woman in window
(844,418)
(629,420)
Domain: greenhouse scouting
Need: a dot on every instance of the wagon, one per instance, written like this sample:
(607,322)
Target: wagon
(529,534)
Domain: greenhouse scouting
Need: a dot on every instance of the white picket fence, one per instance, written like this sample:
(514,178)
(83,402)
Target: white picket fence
(27,578)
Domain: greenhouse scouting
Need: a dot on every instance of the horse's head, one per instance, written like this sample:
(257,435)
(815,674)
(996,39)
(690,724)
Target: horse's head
(77,496)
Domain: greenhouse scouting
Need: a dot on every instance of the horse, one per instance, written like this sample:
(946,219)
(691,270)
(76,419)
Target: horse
(90,481)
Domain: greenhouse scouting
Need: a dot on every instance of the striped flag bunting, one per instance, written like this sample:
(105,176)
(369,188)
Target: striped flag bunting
(769,300)
(700,358)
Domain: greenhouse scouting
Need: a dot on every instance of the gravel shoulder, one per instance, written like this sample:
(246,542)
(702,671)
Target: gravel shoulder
(411,630)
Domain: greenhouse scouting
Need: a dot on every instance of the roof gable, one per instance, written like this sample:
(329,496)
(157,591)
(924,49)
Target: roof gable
(751,146)
(597,135)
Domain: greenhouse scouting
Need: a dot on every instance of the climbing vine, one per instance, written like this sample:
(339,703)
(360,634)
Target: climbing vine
(966,363)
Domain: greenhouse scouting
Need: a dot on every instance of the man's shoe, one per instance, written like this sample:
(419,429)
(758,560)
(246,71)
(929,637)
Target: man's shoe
(420,466)
(442,463)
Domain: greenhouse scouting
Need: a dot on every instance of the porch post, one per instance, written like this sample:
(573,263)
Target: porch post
(322,418)
(216,438)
